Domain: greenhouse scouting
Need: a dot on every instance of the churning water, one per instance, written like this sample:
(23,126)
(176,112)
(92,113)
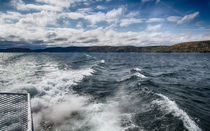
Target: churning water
(112,91)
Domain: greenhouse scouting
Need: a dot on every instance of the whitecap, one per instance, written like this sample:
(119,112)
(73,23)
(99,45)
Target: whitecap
(136,69)
(170,106)
(102,61)
(140,75)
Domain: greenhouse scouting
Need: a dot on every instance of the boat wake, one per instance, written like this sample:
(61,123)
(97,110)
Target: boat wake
(80,92)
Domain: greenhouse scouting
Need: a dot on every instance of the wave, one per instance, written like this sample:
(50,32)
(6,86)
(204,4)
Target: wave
(65,95)
(136,69)
(50,87)
(164,74)
(132,74)
(5,57)
(136,72)
(170,106)
(58,97)
(110,116)
(102,61)
(140,75)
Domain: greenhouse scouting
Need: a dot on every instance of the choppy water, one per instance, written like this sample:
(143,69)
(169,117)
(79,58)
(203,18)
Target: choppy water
(112,91)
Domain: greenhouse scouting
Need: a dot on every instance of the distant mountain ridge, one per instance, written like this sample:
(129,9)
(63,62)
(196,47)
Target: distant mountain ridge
(196,46)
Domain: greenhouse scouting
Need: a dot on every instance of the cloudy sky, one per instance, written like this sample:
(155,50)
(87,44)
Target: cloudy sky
(47,23)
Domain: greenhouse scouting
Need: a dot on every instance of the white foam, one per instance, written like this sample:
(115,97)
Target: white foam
(170,106)
(57,100)
(57,97)
(98,116)
(102,61)
(137,69)
(61,111)
(104,117)
(139,75)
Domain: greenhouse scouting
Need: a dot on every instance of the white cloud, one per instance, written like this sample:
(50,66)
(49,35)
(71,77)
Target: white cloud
(126,22)
(153,27)
(98,36)
(47,15)
(38,7)
(60,3)
(72,15)
(42,18)
(93,18)
(151,20)
(132,14)
(114,13)
(96,17)
(188,18)
(173,18)
(100,7)
(9,17)
(20,5)
(85,10)
(52,5)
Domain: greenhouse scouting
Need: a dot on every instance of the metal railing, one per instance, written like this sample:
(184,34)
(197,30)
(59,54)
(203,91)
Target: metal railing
(15,112)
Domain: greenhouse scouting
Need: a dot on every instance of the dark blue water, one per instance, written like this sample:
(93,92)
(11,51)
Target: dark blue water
(112,91)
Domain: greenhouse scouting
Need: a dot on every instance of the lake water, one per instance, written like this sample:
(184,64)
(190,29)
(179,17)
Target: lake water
(112,91)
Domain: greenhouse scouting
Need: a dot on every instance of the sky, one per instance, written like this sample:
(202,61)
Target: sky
(61,23)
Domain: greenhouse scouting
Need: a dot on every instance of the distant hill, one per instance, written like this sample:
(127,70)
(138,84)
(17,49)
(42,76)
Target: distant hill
(196,46)
(114,49)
